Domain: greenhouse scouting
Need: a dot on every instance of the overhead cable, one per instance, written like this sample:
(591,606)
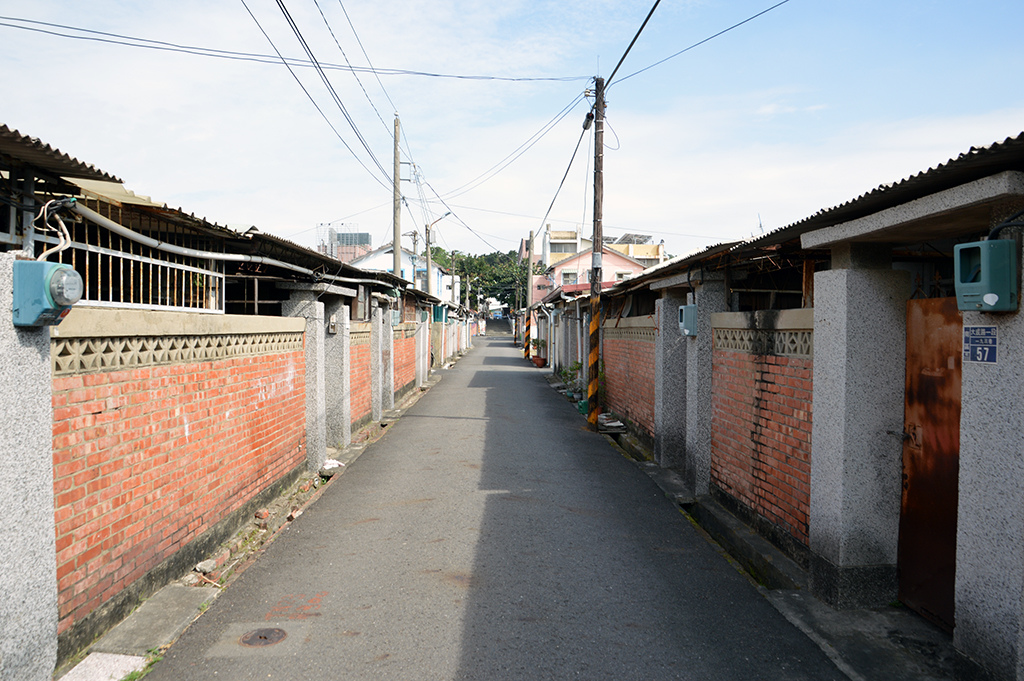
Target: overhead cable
(698,44)
(349,64)
(322,114)
(632,42)
(145,43)
(330,88)
(519,151)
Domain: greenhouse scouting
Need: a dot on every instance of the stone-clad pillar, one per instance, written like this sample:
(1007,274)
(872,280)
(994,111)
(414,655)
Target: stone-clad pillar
(990,553)
(28,601)
(337,349)
(859,383)
(388,368)
(710,297)
(307,304)
(669,382)
(377,368)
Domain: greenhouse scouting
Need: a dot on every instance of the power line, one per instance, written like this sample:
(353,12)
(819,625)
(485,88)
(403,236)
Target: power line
(326,119)
(518,152)
(164,46)
(349,64)
(698,44)
(330,87)
(369,63)
(560,184)
(632,42)
(461,221)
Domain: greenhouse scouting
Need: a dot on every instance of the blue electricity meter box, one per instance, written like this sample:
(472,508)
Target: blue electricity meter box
(985,275)
(44,292)
(688,320)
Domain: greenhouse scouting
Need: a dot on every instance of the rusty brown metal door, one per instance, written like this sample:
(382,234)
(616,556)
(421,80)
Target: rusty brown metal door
(931,458)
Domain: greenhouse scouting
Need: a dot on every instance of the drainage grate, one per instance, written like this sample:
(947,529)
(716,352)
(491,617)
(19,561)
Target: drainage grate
(262,637)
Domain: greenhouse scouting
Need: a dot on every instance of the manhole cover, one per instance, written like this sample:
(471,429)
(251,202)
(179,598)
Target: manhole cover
(263,637)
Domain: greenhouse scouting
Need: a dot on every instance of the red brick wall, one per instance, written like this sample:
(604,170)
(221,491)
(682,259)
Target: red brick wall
(146,460)
(761,435)
(405,356)
(359,379)
(629,379)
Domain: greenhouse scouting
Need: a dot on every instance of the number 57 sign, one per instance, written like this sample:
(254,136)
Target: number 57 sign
(980,344)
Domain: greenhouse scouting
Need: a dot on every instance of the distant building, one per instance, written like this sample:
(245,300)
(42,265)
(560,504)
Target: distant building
(447,287)
(560,245)
(346,246)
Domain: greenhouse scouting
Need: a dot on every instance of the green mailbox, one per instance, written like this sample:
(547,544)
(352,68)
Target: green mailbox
(985,275)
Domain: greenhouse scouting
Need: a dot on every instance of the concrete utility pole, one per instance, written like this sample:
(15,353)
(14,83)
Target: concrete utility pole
(426,236)
(528,323)
(529,273)
(398,205)
(595,271)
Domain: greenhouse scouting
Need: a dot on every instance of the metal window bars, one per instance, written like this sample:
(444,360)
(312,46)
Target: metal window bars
(119,272)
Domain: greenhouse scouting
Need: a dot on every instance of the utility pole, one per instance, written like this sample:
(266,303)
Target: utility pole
(426,236)
(430,272)
(415,253)
(595,271)
(398,205)
(527,326)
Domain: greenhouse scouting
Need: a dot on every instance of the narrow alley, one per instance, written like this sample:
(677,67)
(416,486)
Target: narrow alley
(489,535)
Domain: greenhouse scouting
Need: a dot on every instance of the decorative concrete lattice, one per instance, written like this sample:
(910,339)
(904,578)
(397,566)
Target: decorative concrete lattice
(78,355)
(635,333)
(787,343)
(359,338)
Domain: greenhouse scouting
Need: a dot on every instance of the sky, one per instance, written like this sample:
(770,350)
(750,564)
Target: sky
(802,108)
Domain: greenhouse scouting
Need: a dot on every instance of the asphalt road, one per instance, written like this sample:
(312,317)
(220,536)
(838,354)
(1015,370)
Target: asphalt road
(489,536)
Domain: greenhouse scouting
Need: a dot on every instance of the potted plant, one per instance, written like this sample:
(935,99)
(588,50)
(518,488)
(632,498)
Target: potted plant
(540,348)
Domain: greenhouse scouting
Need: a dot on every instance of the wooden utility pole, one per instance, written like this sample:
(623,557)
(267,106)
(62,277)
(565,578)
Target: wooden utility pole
(398,205)
(595,270)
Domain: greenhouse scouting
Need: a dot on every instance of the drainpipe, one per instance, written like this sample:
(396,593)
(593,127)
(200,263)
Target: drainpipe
(207,255)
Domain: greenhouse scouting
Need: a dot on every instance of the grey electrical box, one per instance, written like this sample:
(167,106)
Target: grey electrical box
(985,275)
(688,320)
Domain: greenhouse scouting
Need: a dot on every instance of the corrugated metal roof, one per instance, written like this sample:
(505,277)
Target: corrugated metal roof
(31,151)
(974,164)
(113,192)
(289,251)
(671,265)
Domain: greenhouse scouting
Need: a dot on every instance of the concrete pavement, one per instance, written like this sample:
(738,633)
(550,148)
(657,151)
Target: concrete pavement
(489,535)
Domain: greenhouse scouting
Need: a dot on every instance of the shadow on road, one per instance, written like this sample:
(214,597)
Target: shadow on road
(584,570)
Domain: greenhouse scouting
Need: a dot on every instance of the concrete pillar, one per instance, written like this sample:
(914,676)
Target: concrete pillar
(990,553)
(306,304)
(422,358)
(28,601)
(859,383)
(389,361)
(338,381)
(710,297)
(377,364)
(669,382)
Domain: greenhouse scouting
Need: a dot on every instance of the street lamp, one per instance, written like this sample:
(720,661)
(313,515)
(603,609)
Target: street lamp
(430,275)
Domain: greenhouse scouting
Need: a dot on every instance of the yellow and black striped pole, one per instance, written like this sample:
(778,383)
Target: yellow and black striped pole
(526,335)
(594,358)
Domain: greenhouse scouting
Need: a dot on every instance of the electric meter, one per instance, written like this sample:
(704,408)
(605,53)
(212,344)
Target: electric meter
(44,292)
